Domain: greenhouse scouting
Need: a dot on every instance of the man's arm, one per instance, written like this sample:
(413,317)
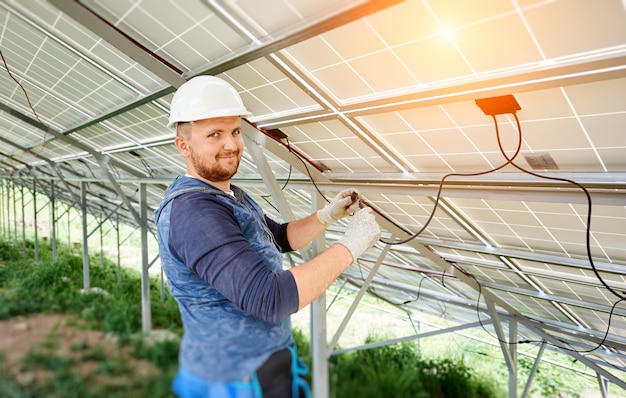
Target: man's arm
(301,232)
(316,275)
(304,230)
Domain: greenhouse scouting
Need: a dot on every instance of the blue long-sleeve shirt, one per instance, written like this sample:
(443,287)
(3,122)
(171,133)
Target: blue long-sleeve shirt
(207,238)
(223,262)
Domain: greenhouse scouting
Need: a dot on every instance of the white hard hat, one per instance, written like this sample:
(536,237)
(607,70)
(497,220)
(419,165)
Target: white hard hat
(205,97)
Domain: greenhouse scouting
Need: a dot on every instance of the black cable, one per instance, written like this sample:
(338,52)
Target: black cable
(588,222)
(419,289)
(600,344)
(290,167)
(267,197)
(306,167)
(143,162)
(445,177)
(509,161)
(6,66)
(480,292)
(30,105)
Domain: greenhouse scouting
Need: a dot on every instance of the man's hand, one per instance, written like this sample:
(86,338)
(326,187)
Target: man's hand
(361,234)
(344,204)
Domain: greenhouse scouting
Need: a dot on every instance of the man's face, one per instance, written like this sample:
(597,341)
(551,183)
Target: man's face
(213,148)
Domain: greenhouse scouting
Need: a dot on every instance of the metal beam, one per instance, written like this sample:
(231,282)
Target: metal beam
(551,297)
(523,255)
(596,180)
(357,299)
(319,350)
(582,358)
(473,307)
(532,79)
(254,148)
(146,314)
(263,46)
(83,212)
(121,41)
(533,370)
(539,77)
(408,338)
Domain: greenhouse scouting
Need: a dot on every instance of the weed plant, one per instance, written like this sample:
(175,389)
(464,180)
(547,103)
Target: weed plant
(399,371)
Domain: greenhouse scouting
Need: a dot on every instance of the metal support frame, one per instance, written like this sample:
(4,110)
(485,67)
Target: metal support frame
(23,209)
(319,350)
(417,336)
(375,106)
(509,349)
(253,145)
(422,246)
(117,243)
(357,299)
(533,371)
(603,383)
(3,206)
(103,161)
(83,210)
(35,221)
(53,221)
(146,314)
(581,358)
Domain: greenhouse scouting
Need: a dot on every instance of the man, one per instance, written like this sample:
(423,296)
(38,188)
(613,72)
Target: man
(223,257)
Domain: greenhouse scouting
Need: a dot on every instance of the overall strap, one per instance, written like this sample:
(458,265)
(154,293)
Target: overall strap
(193,189)
(179,192)
(299,388)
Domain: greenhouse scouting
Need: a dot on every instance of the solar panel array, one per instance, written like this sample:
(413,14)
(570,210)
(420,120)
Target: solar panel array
(379,95)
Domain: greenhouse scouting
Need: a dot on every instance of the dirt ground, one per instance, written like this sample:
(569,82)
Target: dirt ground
(62,336)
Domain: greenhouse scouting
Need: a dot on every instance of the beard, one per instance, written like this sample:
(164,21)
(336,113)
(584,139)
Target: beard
(216,172)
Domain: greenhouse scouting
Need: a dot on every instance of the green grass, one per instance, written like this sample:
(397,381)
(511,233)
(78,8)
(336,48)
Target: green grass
(54,287)
(399,371)
(442,366)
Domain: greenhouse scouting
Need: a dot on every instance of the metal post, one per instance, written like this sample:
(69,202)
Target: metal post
(513,356)
(83,208)
(359,296)
(2,207)
(604,385)
(510,355)
(53,218)
(146,315)
(14,214)
(23,205)
(319,350)
(35,221)
(69,231)
(101,244)
(117,242)
(533,371)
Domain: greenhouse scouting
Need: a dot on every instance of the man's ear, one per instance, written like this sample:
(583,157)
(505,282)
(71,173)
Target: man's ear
(181,144)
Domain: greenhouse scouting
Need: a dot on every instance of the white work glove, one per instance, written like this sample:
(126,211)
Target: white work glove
(361,234)
(344,204)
